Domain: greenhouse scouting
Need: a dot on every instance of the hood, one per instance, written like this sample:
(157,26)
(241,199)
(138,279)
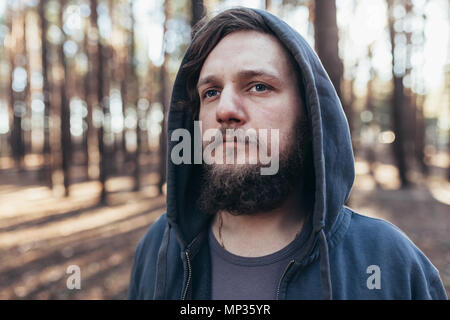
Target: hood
(331,150)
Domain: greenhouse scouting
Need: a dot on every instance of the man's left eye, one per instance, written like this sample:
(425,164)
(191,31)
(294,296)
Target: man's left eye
(259,87)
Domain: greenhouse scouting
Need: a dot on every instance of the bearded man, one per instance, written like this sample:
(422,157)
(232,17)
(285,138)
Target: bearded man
(232,232)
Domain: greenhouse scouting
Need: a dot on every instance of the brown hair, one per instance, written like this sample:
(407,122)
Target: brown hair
(207,34)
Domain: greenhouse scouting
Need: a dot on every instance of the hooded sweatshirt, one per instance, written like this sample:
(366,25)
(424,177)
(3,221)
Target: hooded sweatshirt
(346,255)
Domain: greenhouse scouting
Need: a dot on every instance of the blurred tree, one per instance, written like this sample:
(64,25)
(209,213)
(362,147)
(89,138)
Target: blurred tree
(47,167)
(149,94)
(108,57)
(398,101)
(98,64)
(370,152)
(135,81)
(26,128)
(198,11)
(418,99)
(124,96)
(90,88)
(88,134)
(419,132)
(66,139)
(165,101)
(18,82)
(125,62)
(326,43)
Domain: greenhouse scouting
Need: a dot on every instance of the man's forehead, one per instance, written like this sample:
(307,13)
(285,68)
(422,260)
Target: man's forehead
(259,55)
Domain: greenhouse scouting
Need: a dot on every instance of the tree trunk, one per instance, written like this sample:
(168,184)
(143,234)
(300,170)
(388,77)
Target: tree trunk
(327,46)
(47,168)
(165,101)
(16,99)
(135,81)
(124,97)
(99,62)
(90,90)
(397,109)
(85,87)
(370,152)
(27,141)
(399,142)
(66,142)
(419,137)
(419,141)
(198,11)
(109,79)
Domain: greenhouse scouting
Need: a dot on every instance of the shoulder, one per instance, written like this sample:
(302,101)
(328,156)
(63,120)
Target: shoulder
(380,237)
(375,241)
(376,230)
(145,258)
(154,234)
(148,246)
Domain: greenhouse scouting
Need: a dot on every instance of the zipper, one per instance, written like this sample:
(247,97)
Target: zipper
(189,276)
(282,276)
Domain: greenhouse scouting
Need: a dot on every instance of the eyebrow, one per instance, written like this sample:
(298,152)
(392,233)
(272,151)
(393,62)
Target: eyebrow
(242,74)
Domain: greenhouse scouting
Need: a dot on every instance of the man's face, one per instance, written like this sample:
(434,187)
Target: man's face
(247,82)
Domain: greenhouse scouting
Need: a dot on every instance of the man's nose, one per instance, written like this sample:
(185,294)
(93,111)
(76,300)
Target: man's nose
(229,110)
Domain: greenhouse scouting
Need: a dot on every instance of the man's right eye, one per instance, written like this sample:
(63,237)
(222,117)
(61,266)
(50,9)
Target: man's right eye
(210,93)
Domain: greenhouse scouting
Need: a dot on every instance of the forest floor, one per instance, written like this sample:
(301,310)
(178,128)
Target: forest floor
(42,233)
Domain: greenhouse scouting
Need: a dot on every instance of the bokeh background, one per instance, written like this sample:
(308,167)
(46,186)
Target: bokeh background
(84,90)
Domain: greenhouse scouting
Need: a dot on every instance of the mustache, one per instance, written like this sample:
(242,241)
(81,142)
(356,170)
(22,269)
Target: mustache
(222,135)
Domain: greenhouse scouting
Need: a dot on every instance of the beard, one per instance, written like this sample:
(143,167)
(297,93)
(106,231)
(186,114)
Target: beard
(242,190)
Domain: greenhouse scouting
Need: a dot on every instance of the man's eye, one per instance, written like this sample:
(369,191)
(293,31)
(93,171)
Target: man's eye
(259,87)
(210,93)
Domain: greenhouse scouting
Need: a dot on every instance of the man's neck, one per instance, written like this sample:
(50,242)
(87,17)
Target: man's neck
(259,234)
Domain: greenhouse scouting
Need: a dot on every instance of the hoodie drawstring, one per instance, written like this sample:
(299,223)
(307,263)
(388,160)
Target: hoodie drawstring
(325,275)
(161,267)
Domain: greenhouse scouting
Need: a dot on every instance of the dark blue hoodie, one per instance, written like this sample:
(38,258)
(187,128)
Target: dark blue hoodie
(347,255)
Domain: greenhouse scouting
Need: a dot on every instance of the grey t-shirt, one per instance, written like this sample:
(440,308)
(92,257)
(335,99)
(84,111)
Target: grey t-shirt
(244,278)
